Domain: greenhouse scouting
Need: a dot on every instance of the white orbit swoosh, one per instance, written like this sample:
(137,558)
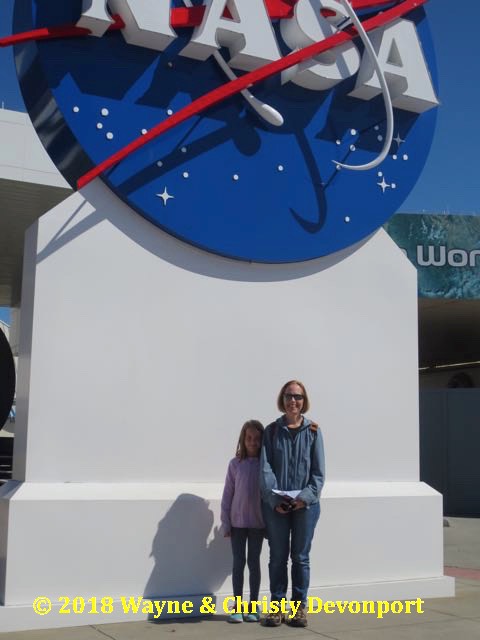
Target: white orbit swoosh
(385,91)
(264,110)
(275,118)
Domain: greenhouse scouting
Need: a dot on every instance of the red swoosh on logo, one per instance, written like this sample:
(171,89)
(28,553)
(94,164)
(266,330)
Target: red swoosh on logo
(277,10)
(180,18)
(52,33)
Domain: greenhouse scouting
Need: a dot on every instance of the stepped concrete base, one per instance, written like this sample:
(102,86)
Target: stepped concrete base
(157,540)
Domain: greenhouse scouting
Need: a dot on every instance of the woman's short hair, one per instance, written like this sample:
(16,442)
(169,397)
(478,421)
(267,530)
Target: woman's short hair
(306,401)
(249,424)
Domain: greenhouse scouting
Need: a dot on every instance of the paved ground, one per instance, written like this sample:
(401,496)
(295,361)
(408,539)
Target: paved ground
(444,618)
(462,543)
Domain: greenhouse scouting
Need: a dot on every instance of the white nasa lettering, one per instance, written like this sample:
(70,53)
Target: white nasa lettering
(249,36)
(147,24)
(400,55)
(252,43)
(95,17)
(309,26)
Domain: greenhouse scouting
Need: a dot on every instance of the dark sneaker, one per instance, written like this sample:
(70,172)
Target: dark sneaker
(274,619)
(299,619)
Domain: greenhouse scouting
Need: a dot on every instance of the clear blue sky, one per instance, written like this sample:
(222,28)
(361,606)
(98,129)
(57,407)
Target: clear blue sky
(450,181)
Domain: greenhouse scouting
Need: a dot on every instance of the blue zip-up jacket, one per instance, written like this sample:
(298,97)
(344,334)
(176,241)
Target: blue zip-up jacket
(290,462)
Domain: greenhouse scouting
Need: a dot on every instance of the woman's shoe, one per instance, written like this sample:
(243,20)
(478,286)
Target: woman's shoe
(299,619)
(274,619)
(252,617)
(235,618)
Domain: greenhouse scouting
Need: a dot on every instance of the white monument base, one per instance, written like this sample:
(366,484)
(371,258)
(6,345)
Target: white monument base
(141,357)
(376,541)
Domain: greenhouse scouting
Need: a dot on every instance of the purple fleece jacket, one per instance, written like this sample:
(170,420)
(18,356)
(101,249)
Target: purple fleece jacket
(241,495)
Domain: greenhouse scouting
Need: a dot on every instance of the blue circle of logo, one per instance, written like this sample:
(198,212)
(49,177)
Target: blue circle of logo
(224,180)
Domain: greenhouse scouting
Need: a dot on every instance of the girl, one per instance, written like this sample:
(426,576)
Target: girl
(292,460)
(241,514)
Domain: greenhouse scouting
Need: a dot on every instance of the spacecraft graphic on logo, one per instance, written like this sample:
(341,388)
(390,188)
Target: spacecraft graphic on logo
(261,130)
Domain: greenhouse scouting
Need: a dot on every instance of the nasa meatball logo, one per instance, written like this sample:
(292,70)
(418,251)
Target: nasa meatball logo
(262,130)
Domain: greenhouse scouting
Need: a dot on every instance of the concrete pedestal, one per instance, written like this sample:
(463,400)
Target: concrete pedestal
(140,359)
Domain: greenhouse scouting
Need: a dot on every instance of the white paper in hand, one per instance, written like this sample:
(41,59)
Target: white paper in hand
(287,494)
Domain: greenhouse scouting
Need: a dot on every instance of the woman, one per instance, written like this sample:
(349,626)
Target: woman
(292,459)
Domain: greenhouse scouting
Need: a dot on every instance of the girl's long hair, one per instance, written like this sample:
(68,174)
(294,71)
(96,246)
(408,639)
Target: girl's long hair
(250,424)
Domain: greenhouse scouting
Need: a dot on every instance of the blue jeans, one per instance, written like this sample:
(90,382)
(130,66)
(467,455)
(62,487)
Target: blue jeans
(290,534)
(241,538)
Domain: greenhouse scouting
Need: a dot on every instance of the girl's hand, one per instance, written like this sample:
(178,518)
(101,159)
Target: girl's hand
(298,504)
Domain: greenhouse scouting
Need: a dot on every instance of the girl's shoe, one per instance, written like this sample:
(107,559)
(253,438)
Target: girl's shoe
(235,618)
(252,617)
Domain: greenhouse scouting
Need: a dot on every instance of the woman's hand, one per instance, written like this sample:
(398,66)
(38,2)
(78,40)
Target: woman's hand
(227,535)
(298,504)
(283,508)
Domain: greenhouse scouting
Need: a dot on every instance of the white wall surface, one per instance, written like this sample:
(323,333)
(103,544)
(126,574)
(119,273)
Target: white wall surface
(22,156)
(214,340)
